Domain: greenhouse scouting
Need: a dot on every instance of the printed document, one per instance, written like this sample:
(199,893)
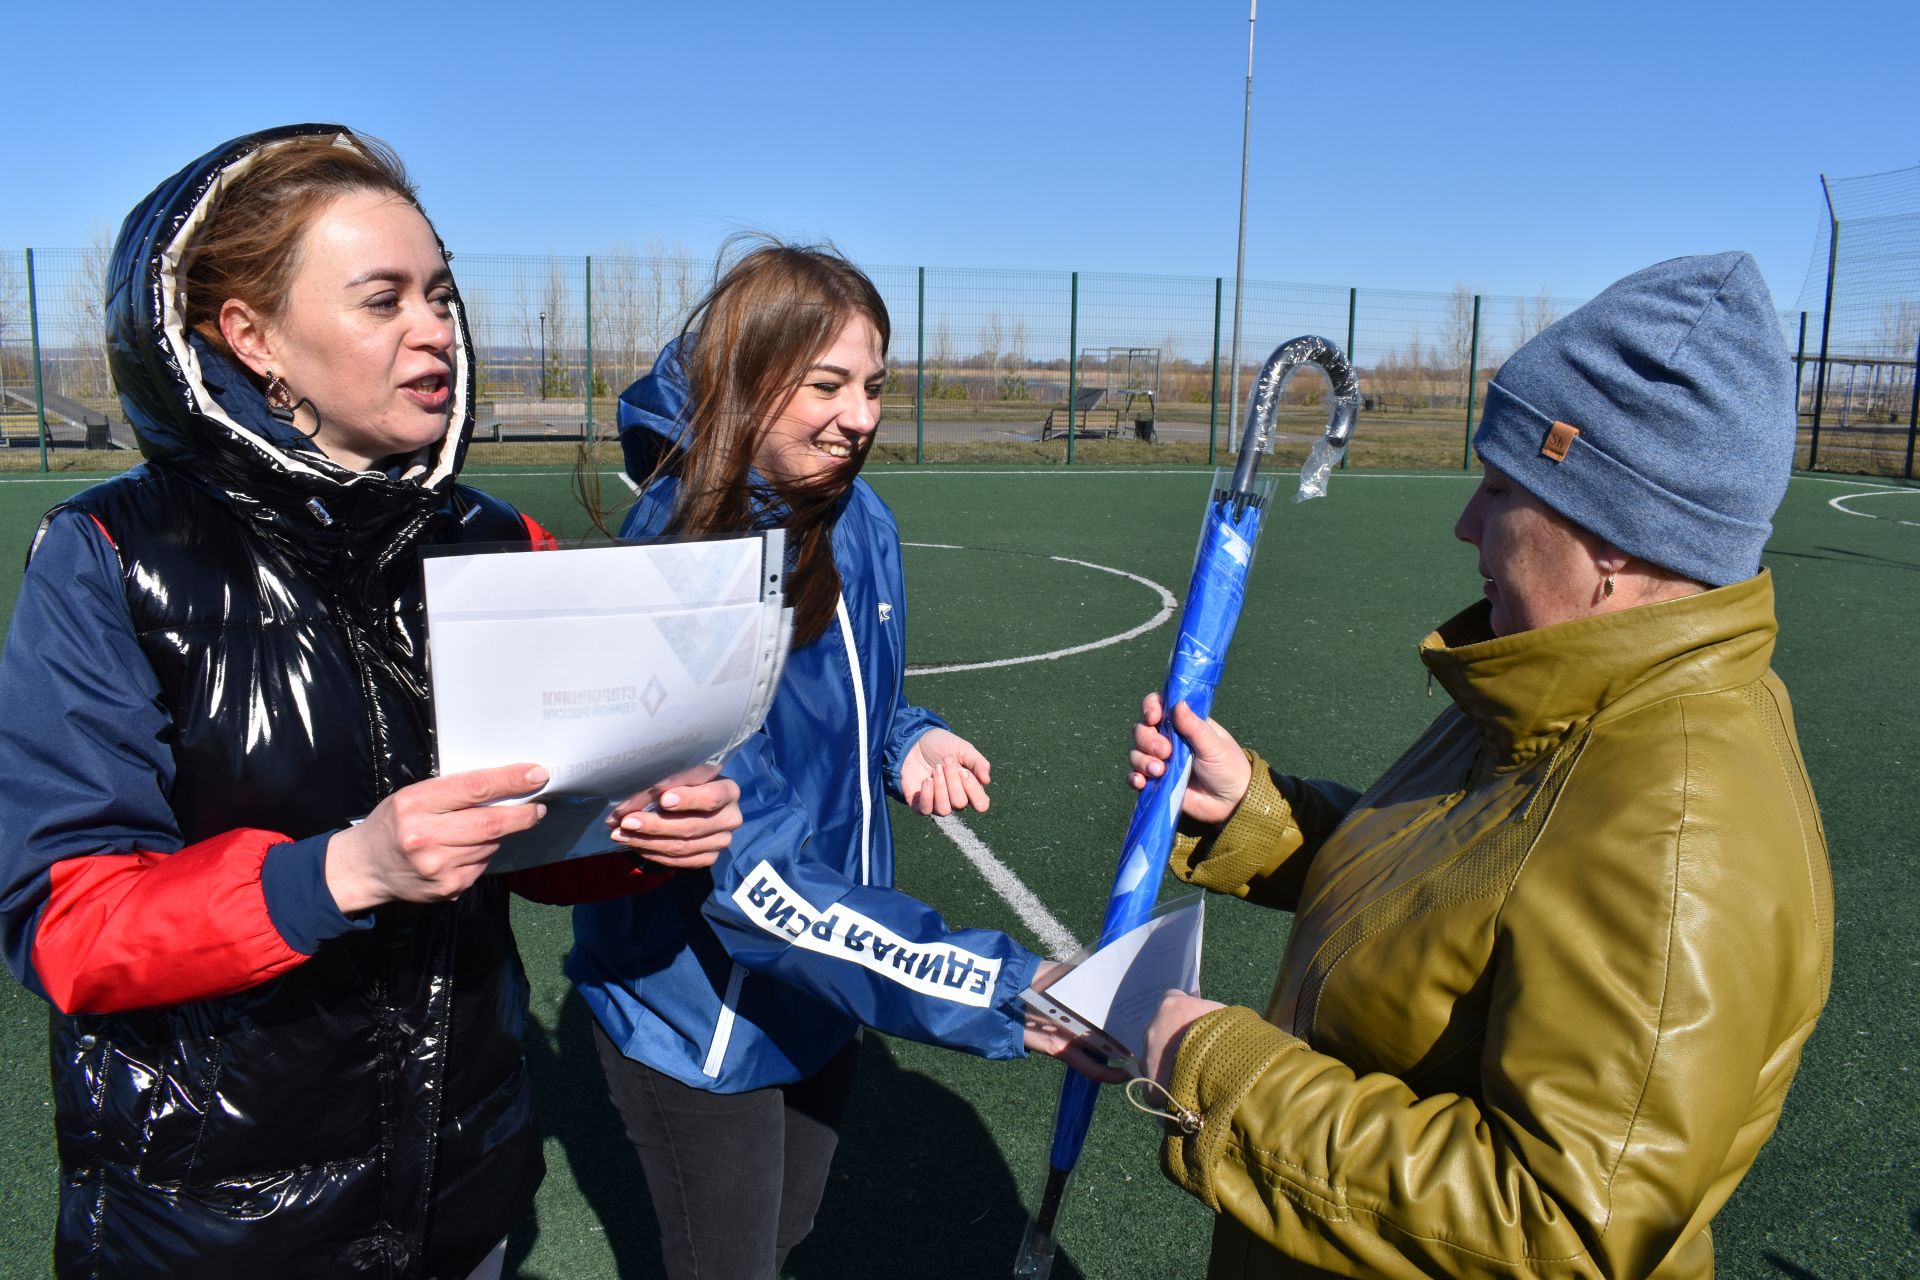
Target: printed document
(612,666)
(1111,995)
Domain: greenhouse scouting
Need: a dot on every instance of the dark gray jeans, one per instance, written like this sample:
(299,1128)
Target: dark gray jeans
(735,1177)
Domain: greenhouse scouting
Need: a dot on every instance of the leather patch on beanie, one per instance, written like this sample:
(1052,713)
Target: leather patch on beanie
(1559,439)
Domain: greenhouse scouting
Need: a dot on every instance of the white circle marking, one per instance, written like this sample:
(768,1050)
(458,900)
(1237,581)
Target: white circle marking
(1839,504)
(1167,605)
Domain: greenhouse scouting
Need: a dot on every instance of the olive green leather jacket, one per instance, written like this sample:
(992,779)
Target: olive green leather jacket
(1548,978)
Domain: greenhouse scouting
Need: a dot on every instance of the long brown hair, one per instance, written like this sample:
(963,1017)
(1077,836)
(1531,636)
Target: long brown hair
(250,247)
(746,350)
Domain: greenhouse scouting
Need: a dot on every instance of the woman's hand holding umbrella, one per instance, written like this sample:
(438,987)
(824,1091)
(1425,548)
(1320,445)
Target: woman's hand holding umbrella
(1221,770)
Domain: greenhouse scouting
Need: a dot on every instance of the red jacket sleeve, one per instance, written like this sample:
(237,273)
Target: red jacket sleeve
(125,931)
(577,880)
(538,535)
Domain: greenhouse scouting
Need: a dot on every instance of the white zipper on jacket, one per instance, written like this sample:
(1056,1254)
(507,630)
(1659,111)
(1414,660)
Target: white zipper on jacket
(860,720)
(723,1026)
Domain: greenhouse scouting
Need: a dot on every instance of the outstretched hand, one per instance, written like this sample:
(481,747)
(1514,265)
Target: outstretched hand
(943,772)
(1221,772)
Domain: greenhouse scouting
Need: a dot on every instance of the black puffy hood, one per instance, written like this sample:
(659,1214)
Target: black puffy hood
(194,410)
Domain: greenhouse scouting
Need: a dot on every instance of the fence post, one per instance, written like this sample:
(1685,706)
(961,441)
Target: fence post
(1073,359)
(1826,326)
(589,427)
(1353,309)
(1213,393)
(1473,374)
(39,390)
(920,377)
(1913,412)
(1799,367)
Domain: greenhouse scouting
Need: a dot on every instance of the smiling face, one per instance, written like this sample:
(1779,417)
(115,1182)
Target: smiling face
(1539,567)
(366,333)
(823,428)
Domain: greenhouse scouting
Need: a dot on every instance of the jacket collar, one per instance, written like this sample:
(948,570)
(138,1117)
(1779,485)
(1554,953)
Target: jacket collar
(1528,692)
(193,411)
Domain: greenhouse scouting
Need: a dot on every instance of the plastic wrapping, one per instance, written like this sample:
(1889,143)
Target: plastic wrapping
(1286,360)
(1228,536)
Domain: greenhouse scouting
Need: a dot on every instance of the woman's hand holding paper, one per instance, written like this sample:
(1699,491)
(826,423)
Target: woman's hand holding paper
(1056,1041)
(682,822)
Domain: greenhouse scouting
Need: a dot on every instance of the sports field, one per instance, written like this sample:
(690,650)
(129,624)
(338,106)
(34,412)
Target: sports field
(944,1155)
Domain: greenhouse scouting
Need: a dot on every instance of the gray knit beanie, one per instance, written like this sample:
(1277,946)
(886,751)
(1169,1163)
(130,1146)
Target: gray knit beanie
(1659,416)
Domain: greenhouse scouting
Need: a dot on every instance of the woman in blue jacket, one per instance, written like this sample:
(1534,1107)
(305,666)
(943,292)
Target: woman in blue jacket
(729,1004)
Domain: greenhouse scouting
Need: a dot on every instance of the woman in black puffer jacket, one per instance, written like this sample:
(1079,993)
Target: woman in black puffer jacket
(285,1041)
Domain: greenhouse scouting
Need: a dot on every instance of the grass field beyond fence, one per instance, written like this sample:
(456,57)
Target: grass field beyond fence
(943,1156)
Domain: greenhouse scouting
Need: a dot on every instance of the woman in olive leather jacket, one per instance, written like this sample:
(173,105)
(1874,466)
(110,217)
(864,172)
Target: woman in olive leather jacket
(1550,976)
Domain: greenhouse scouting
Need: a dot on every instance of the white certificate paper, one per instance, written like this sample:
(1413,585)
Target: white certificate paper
(612,666)
(1111,995)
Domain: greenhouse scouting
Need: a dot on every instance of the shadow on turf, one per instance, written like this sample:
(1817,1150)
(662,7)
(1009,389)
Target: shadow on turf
(919,1187)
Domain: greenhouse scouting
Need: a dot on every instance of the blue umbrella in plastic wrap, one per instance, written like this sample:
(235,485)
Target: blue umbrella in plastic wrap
(1234,515)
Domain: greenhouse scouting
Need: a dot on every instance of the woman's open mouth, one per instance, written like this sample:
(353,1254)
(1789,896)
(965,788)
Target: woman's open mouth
(429,392)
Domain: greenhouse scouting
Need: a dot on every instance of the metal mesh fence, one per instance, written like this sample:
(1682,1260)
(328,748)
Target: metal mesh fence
(528,316)
(995,365)
(57,294)
(1861,300)
(16,354)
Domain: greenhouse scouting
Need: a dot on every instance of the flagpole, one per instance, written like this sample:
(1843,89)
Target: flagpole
(1240,261)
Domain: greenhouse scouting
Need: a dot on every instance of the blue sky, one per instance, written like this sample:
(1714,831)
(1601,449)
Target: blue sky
(1510,147)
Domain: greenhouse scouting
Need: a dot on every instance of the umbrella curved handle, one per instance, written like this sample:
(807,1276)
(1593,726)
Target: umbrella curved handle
(1287,357)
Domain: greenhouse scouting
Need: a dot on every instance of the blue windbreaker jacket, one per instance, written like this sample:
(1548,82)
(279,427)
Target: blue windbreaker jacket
(755,974)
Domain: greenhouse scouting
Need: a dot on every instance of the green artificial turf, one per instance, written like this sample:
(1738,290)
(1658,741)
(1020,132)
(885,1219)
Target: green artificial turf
(944,1155)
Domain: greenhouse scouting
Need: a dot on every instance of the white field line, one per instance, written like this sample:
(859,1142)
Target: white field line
(1167,605)
(1838,504)
(1053,935)
(1068,473)
(1063,473)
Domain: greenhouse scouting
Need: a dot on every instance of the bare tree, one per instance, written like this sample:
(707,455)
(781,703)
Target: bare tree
(1456,330)
(993,333)
(84,375)
(1897,328)
(1544,312)
(619,325)
(14,321)
(671,290)
(1017,342)
(562,335)
(1531,316)
(640,302)
(1896,332)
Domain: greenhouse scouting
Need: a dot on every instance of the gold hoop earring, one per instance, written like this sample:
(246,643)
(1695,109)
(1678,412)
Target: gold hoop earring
(1607,589)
